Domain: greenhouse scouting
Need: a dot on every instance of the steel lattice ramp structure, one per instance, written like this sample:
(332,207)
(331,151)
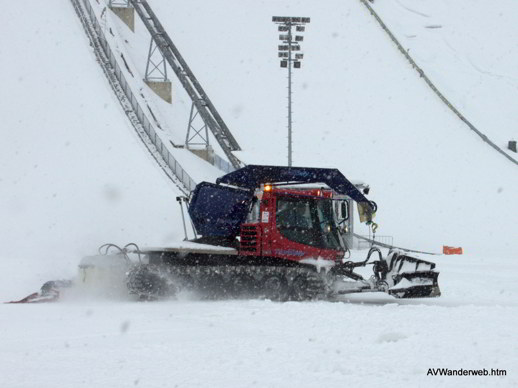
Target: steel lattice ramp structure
(130,104)
(200,99)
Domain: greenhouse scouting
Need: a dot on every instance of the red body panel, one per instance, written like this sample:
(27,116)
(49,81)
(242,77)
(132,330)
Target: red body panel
(264,239)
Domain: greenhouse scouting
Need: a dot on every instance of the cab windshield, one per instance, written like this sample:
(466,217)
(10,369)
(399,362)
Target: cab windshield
(308,221)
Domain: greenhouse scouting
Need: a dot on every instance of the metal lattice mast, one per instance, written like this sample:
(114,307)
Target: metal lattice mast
(286,49)
(156,69)
(196,136)
(201,101)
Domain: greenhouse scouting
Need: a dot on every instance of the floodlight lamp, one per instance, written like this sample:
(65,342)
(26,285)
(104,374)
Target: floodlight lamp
(287,19)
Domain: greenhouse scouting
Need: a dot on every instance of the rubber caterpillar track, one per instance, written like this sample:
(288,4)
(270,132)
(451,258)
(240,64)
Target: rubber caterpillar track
(150,282)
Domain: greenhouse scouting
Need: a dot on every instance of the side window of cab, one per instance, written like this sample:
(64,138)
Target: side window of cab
(342,211)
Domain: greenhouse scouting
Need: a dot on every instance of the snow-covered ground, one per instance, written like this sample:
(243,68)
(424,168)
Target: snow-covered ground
(373,340)
(74,175)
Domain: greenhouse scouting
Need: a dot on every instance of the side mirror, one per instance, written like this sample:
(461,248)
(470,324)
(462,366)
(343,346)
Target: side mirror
(367,211)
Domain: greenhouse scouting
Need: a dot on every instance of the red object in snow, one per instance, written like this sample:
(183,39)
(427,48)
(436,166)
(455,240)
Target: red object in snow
(451,250)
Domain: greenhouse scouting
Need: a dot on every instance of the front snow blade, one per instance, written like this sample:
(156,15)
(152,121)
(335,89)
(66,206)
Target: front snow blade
(416,285)
(410,277)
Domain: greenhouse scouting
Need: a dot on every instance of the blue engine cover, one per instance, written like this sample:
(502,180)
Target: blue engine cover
(219,211)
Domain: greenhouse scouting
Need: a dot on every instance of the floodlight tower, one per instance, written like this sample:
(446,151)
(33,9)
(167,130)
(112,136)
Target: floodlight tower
(289,44)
